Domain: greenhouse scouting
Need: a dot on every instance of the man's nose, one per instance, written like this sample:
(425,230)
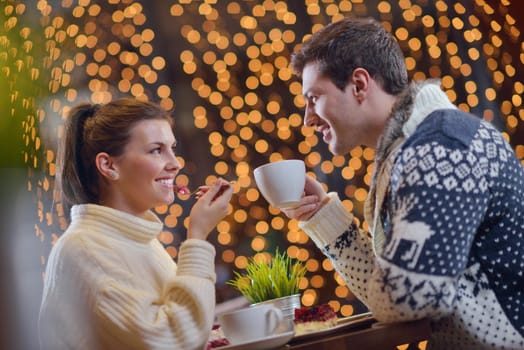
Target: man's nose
(310,117)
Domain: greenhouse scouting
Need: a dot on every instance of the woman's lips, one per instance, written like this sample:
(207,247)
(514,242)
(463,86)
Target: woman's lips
(167,182)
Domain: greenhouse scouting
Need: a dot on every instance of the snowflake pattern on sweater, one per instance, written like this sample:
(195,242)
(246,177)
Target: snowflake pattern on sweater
(453,224)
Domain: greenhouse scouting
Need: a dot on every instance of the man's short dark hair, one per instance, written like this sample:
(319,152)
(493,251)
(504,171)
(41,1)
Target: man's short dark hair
(341,47)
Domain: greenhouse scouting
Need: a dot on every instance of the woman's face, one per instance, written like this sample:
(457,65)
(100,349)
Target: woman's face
(146,169)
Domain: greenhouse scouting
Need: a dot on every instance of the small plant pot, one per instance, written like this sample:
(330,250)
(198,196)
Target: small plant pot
(287,305)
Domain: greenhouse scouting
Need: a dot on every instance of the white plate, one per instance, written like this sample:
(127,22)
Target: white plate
(262,344)
(341,323)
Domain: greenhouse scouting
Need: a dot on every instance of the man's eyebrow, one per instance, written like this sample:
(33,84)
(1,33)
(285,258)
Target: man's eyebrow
(306,93)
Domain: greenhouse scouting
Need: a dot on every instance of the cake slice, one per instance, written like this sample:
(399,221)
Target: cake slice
(216,338)
(314,318)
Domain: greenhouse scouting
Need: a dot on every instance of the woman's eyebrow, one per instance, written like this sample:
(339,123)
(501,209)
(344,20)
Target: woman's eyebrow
(161,143)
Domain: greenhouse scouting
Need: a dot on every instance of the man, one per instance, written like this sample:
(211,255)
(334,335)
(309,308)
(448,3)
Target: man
(445,207)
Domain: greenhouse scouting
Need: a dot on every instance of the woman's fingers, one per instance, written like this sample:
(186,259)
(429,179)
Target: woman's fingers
(210,209)
(216,190)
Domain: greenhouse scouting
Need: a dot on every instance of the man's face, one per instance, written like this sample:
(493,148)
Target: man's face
(335,113)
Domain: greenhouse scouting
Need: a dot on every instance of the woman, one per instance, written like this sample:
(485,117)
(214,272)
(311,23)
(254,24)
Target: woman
(109,283)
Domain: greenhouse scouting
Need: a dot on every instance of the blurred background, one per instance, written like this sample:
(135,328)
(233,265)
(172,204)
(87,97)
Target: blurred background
(224,69)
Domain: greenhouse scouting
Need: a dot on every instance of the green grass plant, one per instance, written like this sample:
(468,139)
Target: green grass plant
(269,280)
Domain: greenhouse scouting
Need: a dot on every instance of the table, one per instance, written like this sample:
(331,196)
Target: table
(365,334)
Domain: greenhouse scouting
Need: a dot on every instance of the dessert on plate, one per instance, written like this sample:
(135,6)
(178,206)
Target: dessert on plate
(216,338)
(314,318)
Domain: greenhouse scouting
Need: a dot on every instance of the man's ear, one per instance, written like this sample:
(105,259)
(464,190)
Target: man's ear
(106,166)
(360,80)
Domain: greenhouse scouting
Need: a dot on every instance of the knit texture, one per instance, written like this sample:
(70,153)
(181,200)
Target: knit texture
(447,236)
(110,284)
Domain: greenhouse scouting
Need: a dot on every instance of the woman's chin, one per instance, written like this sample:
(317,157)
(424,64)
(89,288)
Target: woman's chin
(169,200)
(165,200)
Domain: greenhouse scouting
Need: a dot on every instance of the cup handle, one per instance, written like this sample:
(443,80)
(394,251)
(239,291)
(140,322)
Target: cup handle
(278,317)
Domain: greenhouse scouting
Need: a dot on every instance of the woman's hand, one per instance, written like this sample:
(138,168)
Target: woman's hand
(211,207)
(312,200)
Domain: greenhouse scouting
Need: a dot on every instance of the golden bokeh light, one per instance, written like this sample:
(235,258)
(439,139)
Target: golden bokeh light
(223,68)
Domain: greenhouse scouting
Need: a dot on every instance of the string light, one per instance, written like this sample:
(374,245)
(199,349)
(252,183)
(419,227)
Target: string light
(234,59)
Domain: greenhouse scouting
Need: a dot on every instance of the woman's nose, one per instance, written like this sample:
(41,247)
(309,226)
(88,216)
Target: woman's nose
(173,162)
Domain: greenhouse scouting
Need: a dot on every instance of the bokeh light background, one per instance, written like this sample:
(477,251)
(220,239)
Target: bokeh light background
(224,68)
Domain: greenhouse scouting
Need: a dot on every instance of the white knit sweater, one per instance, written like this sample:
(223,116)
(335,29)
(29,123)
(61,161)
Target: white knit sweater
(110,284)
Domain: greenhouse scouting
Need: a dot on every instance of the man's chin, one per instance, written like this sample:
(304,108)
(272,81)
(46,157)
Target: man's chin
(337,150)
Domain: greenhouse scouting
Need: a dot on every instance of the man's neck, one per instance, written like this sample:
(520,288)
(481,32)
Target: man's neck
(382,105)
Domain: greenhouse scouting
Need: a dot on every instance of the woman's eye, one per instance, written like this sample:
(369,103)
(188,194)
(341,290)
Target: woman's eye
(156,151)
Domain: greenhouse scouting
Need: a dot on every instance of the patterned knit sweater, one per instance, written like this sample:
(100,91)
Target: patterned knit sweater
(110,284)
(446,217)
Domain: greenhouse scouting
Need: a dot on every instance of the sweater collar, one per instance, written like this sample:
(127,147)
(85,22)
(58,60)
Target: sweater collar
(118,223)
(413,105)
(429,98)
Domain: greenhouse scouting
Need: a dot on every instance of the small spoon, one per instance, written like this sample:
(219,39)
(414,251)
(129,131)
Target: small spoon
(182,189)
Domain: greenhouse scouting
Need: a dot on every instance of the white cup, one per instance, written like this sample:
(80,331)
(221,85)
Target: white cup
(250,324)
(281,183)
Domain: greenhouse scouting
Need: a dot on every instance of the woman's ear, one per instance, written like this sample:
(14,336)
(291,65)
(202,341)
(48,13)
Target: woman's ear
(106,166)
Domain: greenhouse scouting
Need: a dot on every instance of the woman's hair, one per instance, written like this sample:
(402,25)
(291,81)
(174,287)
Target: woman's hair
(89,130)
(341,47)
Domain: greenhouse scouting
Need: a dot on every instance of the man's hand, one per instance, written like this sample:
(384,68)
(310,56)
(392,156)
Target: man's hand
(312,200)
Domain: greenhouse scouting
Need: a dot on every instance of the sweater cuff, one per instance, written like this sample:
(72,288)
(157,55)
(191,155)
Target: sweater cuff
(197,258)
(328,223)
